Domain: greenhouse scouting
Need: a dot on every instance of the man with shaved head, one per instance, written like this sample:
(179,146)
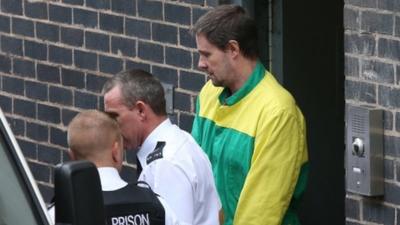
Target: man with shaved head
(96,137)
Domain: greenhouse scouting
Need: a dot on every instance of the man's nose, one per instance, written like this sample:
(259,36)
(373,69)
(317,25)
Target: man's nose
(201,64)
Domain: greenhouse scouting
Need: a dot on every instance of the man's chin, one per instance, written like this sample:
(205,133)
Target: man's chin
(216,83)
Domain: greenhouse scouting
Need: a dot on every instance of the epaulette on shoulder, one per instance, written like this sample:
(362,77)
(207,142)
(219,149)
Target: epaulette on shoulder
(157,153)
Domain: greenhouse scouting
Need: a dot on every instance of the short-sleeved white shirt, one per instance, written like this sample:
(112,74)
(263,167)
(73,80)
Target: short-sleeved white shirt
(182,176)
(110,181)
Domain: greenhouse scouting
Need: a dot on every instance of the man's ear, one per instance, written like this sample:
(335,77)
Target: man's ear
(233,47)
(71,154)
(141,109)
(116,152)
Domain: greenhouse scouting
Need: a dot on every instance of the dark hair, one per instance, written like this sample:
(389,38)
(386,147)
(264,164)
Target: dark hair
(229,22)
(139,85)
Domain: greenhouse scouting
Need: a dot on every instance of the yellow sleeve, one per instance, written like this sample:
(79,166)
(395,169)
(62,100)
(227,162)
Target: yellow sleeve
(279,150)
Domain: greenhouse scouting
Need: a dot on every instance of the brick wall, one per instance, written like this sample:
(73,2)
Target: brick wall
(56,54)
(372,60)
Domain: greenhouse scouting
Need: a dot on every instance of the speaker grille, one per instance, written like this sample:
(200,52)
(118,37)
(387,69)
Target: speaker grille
(358,124)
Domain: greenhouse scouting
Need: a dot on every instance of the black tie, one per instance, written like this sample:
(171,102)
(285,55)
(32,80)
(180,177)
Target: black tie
(138,167)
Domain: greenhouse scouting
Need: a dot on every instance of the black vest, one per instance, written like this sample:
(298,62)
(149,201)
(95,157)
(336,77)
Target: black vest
(133,205)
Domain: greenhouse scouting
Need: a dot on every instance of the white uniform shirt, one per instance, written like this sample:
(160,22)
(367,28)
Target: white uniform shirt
(110,181)
(183,175)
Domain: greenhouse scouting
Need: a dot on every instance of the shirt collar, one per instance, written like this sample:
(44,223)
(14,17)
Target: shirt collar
(150,143)
(110,179)
(256,76)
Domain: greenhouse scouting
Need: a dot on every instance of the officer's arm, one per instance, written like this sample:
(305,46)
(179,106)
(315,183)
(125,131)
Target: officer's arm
(170,217)
(278,155)
(174,186)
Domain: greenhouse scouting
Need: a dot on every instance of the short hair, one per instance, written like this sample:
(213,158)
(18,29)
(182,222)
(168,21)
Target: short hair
(139,85)
(92,132)
(229,22)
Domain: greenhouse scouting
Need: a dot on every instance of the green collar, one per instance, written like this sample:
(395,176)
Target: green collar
(255,77)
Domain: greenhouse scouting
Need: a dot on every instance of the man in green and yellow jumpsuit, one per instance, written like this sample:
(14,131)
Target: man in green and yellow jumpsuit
(248,124)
